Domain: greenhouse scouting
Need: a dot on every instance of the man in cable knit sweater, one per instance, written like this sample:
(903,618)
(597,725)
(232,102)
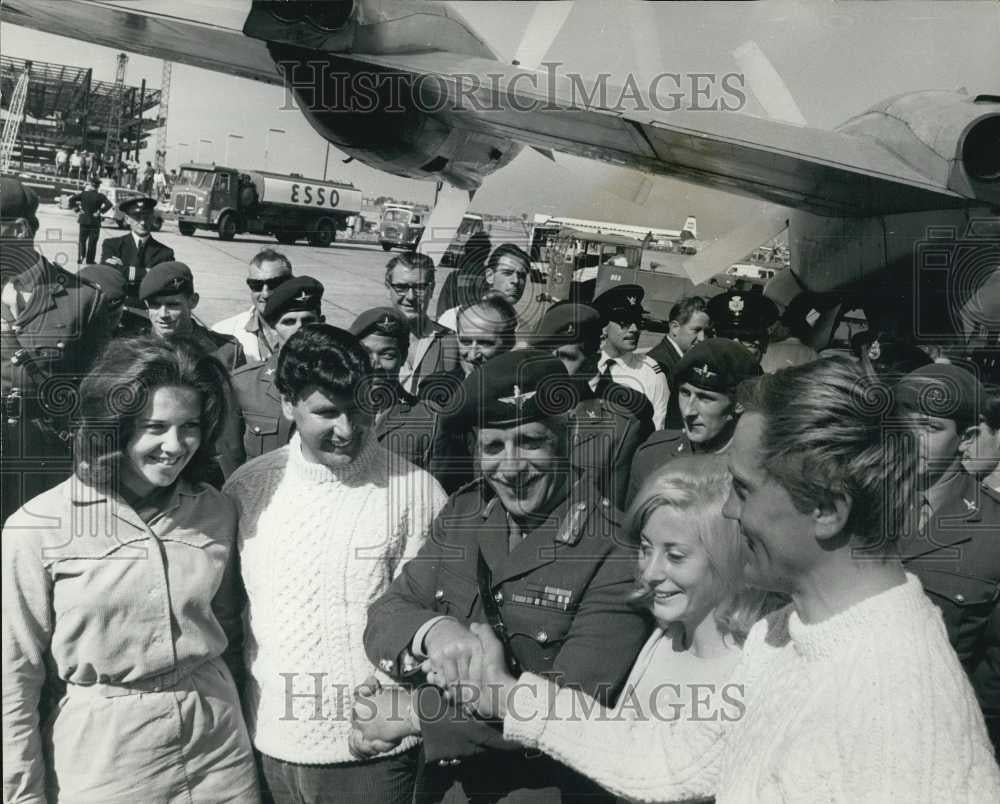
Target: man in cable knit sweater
(326,523)
(851,693)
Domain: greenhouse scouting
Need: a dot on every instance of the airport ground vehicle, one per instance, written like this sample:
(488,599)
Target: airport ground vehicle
(471,224)
(402,226)
(232,201)
(582,265)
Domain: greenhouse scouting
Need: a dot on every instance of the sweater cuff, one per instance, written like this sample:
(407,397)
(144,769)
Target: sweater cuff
(529,704)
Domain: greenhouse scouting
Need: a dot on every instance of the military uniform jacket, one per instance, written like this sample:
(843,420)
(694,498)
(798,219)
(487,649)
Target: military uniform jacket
(133,267)
(661,447)
(667,356)
(440,354)
(92,205)
(562,593)
(958,562)
(407,428)
(47,347)
(607,431)
(260,426)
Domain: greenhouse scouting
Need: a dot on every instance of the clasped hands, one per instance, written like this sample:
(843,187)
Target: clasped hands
(467,663)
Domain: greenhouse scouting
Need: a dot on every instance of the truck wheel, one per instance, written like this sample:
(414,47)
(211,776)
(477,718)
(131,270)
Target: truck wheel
(387,247)
(286,238)
(186,229)
(324,233)
(227,227)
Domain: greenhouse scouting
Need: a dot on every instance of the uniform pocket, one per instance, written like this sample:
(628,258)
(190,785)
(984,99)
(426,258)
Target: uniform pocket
(261,433)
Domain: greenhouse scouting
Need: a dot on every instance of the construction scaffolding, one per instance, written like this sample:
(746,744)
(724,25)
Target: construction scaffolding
(64,107)
(12,125)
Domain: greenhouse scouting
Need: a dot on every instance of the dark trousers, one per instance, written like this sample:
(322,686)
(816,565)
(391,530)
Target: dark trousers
(386,781)
(87,251)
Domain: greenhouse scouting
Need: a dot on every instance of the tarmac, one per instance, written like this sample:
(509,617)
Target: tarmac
(352,272)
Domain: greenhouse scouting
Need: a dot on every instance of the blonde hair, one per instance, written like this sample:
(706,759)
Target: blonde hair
(697,487)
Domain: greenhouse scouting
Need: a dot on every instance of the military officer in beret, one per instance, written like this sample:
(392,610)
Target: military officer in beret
(403,423)
(621,313)
(136,252)
(167,291)
(51,329)
(530,547)
(706,379)
(744,317)
(954,548)
(610,420)
(90,205)
(260,425)
(113,291)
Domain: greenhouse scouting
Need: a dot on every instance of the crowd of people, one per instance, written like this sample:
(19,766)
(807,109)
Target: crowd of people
(129,173)
(461,558)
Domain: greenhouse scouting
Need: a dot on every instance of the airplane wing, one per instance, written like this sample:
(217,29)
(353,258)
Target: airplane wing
(824,172)
(206,35)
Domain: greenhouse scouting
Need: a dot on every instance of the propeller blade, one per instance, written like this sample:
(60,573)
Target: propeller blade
(767,84)
(717,256)
(450,205)
(546,22)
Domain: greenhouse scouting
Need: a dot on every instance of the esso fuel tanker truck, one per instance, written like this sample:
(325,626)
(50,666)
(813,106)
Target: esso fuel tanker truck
(231,201)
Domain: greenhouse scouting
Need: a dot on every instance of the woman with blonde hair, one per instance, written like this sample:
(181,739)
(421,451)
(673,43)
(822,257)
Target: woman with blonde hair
(691,563)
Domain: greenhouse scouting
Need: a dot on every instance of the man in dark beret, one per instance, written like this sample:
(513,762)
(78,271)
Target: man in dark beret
(706,379)
(259,425)
(136,252)
(113,292)
(621,313)
(531,547)
(745,317)
(167,291)
(610,420)
(403,423)
(51,329)
(954,548)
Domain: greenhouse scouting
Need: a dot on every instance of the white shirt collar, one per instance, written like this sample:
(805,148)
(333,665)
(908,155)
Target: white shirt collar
(676,347)
(139,240)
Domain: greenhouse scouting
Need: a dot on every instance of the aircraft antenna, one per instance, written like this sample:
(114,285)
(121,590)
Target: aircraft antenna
(12,125)
(161,135)
(113,142)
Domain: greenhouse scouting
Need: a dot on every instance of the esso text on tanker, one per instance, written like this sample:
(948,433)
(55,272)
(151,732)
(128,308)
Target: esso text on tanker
(310,194)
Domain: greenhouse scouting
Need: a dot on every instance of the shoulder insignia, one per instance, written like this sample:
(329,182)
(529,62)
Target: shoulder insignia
(653,364)
(572,525)
(970,505)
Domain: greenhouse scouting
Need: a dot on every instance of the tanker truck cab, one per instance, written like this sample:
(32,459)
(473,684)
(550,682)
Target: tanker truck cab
(288,207)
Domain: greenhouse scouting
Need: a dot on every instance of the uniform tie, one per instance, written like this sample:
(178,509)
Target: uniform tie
(514,534)
(140,254)
(605,379)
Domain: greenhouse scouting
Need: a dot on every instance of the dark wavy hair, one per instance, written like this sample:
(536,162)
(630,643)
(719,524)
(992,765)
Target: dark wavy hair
(326,357)
(508,250)
(115,393)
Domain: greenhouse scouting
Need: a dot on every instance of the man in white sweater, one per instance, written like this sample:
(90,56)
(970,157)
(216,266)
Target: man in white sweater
(326,523)
(851,693)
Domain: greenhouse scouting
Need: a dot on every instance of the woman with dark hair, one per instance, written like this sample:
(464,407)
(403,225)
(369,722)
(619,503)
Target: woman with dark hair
(121,603)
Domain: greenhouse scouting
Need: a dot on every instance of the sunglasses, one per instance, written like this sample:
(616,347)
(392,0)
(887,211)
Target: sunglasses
(401,289)
(257,285)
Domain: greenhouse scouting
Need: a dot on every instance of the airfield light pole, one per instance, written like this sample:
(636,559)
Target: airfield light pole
(200,141)
(229,137)
(267,142)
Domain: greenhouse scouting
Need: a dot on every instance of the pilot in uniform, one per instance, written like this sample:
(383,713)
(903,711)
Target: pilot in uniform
(559,582)
(610,420)
(717,365)
(51,329)
(621,312)
(91,204)
(260,426)
(136,252)
(404,425)
(956,550)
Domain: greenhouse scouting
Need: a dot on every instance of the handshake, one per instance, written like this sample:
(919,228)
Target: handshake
(468,664)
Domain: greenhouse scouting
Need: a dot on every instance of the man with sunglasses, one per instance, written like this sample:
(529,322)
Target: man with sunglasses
(409,279)
(621,312)
(268,270)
